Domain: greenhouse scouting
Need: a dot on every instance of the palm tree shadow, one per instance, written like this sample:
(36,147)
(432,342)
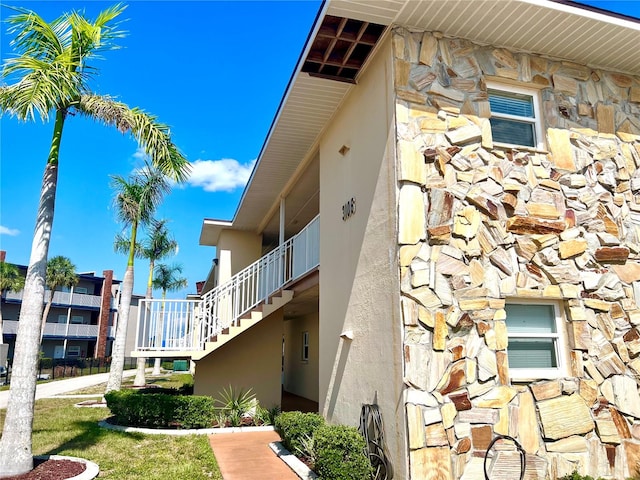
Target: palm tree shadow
(90,435)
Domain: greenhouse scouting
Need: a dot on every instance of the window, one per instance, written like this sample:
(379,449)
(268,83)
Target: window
(73,351)
(80,290)
(77,319)
(515,116)
(62,319)
(536,340)
(305,346)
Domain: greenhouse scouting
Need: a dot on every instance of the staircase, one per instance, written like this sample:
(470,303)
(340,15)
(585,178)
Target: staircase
(195,328)
(244,323)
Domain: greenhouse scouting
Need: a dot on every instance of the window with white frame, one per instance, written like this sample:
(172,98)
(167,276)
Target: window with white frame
(536,340)
(62,319)
(77,319)
(80,290)
(515,116)
(305,346)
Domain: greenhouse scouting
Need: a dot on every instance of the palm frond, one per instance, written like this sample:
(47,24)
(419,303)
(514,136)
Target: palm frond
(43,88)
(137,197)
(37,38)
(153,136)
(122,243)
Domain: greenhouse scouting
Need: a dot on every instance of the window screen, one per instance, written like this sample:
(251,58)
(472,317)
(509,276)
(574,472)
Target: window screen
(533,336)
(513,118)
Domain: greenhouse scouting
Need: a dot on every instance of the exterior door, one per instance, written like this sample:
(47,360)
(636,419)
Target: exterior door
(58,351)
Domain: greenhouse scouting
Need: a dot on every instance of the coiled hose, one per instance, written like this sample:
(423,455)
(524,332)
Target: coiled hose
(372,429)
(518,447)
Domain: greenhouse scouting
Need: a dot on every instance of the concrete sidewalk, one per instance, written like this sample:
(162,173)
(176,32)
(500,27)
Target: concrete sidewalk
(57,387)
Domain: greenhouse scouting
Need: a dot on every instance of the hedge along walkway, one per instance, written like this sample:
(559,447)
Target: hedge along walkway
(247,456)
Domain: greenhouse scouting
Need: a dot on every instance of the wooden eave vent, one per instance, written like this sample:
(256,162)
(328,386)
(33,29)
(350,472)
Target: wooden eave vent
(341,48)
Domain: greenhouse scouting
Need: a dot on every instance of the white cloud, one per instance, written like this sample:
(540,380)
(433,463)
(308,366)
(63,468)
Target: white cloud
(8,231)
(219,175)
(140,154)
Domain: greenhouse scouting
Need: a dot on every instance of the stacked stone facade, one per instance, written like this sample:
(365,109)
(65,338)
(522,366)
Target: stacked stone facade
(481,224)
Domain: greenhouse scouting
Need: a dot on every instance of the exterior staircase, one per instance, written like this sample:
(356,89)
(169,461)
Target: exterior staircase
(195,328)
(244,323)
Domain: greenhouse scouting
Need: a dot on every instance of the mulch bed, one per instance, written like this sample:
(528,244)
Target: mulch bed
(51,470)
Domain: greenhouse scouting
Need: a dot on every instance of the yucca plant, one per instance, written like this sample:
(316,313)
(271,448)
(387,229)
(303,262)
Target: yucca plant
(233,402)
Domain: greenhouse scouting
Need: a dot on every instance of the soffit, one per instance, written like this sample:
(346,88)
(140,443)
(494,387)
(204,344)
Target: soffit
(550,28)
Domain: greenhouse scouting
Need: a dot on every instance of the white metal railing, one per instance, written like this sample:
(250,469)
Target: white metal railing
(52,329)
(186,325)
(64,298)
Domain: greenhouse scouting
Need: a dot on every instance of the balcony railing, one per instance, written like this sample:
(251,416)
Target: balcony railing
(75,330)
(64,298)
(186,325)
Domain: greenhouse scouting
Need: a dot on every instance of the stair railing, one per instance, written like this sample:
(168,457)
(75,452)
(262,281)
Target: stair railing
(186,325)
(224,305)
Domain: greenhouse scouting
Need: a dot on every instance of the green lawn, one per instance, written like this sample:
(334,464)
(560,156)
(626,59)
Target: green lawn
(61,429)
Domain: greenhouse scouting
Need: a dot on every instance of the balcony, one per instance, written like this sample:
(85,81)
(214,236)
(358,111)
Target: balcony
(59,330)
(63,298)
(185,327)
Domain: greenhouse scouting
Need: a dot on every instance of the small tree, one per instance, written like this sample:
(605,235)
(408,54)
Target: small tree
(10,280)
(60,273)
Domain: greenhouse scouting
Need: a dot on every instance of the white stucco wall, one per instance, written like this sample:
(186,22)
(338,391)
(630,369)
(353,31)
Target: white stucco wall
(359,289)
(236,250)
(251,360)
(301,377)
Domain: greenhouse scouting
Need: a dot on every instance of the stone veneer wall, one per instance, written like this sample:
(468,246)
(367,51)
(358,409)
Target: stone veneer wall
(480,224)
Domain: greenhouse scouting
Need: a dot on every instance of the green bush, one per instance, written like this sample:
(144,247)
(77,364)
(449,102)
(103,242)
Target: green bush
(46,363)
(160,410)
(293,426)
(340,454)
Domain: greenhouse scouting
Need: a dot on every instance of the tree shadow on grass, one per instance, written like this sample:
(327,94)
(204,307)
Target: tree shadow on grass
(91,434)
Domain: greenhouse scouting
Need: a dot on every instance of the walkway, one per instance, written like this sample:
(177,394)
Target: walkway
(58,387)
(247,456)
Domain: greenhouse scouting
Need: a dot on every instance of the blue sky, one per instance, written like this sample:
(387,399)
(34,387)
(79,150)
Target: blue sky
(215,71)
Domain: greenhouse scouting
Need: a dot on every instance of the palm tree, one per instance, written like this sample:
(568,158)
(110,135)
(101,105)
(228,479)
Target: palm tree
(52,70)
(167,279)
(10,280)
(158,244)
(136,199)
(60,273)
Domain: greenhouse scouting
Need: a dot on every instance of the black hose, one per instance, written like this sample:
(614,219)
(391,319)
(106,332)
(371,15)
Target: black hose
(372,429)
(518,447)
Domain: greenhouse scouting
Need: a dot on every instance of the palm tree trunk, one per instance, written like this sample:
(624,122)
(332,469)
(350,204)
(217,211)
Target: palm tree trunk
(15,444)
(117,355)
(141,365)
(45,314)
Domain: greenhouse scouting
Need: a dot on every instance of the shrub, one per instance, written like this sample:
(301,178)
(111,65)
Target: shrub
(293,426)
(340,454)
(267,416)
(46,363)
(160,410)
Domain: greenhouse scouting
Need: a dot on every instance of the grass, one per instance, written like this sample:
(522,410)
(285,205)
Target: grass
(61,429)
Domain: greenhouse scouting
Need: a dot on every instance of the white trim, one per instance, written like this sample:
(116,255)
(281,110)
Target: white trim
(561,345)
(536,121)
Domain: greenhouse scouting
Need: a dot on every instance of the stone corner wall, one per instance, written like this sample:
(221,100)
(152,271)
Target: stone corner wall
(479,225)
